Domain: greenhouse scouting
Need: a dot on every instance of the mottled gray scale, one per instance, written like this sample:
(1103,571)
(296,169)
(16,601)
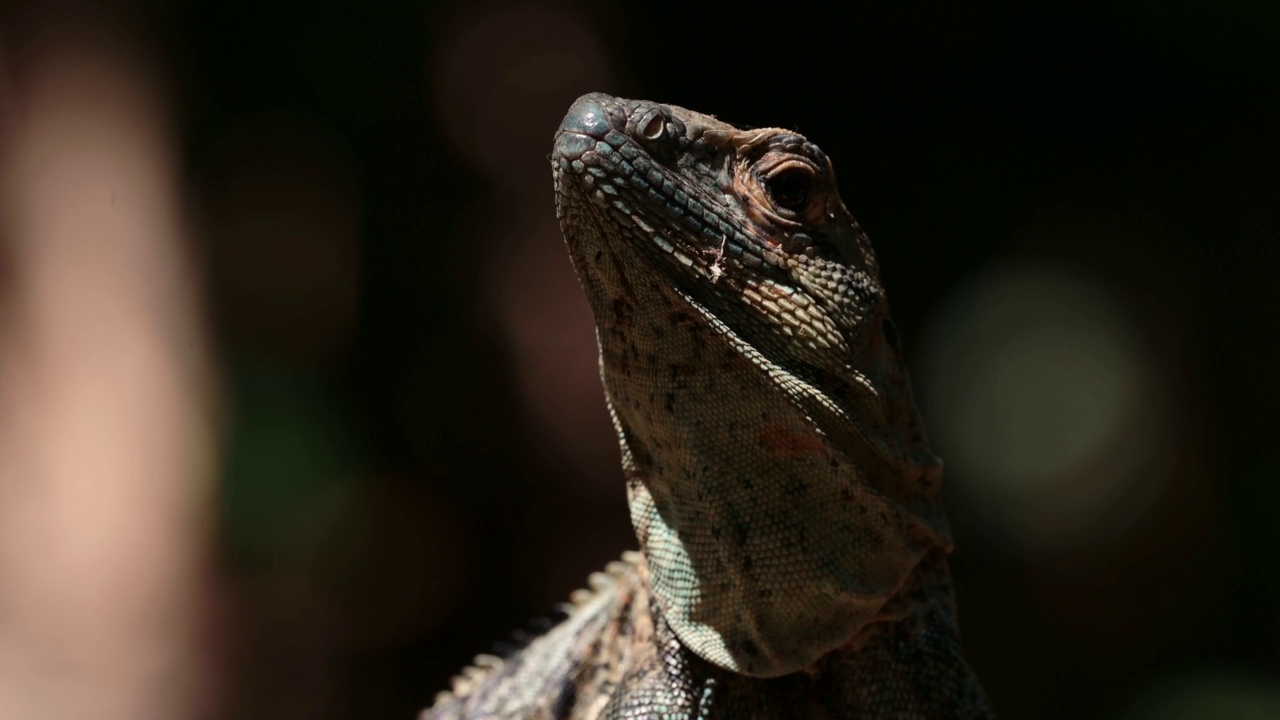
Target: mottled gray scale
(785,498)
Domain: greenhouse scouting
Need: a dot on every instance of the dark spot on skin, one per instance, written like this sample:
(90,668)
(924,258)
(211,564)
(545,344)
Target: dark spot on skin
(670,403)
(795,487)
(740,534)
(890,332)
(746,562)
(749,648)
(599,254)
(622,312)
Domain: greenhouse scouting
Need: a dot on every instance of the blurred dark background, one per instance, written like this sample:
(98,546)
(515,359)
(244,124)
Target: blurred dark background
(1076,207)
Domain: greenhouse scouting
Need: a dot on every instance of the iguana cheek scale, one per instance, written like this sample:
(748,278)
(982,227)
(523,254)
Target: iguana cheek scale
(786,501)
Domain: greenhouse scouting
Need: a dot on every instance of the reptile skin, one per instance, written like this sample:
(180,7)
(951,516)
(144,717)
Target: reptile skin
(787,504)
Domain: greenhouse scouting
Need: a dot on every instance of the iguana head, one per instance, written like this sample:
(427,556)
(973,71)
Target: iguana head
(781,484)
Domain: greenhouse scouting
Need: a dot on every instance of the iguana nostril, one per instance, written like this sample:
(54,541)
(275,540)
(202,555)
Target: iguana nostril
(654,128)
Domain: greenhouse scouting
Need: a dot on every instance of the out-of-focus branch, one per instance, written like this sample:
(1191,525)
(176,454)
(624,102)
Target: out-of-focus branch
(106,452)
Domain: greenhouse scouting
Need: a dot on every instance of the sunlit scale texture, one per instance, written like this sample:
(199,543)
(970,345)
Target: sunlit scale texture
(786,501)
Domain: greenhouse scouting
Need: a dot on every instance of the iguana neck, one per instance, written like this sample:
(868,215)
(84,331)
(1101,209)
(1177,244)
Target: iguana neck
(769,544)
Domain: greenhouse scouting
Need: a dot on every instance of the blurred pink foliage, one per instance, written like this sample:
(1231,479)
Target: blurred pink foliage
(106,462)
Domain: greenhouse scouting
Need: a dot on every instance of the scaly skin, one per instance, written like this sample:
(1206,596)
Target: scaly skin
(786,501)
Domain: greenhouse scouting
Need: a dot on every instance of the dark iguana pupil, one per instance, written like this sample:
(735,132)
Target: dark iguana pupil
(791,188)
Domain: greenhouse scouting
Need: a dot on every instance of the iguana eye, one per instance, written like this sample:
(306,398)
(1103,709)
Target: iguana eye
(791,187)
(782,188)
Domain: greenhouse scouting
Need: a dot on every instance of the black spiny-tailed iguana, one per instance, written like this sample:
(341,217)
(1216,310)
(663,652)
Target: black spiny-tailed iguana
(793,542)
